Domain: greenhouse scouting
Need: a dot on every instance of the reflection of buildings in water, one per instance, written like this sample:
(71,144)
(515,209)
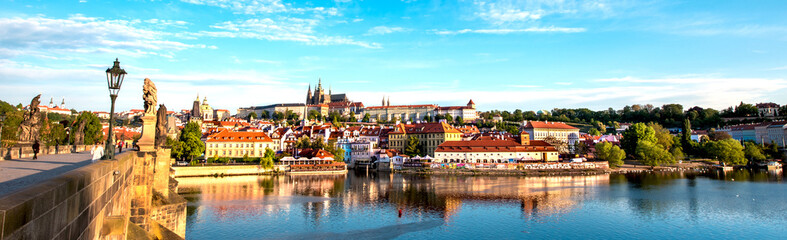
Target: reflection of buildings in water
(539,196)
(246,195)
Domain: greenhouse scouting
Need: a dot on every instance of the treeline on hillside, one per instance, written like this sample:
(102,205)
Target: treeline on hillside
(668,115)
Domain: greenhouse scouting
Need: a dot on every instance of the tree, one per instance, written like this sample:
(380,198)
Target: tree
(338,153)
(413,147)
(265,114)
(10,124)
(53,133)
(449,118)
(352,118)
(581,148)
(303,142)
(314,115)
(609,152)
(634,134)
(191,143)
(366,118)
(252,115)
(93,129)
(714,135)
(728,151)
(652,154)
(176,146)
(594,132)
(685,138)
(753,152)
(773,150)
(427,118)
(266,161)
(460,121)
(677,153)
(662,135)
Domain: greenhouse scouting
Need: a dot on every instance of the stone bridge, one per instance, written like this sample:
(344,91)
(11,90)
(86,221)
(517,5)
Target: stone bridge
(131,197)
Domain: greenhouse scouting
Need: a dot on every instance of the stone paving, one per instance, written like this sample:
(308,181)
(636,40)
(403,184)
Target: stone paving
(17,174)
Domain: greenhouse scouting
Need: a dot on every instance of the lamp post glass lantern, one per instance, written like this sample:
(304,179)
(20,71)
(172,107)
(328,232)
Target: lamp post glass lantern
(114,81)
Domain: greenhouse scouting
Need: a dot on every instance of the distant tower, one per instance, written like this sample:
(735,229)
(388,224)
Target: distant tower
(51,102)
(389,101)
(63,104)
(195,110)
(471,104)
(309,94)
(383,103)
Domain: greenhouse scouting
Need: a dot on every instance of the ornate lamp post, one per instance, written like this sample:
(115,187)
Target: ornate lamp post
(114,80)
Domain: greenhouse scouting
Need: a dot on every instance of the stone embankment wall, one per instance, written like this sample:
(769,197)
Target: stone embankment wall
(108,199)
(87,203)
(27,152)
(225,170)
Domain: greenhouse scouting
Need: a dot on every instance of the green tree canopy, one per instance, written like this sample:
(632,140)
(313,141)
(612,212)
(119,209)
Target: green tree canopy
(634,134)
(266,161)
(753,152)
(191,144)
(366,118)
(609,152)
(663,137)
(413,147)
(93,129)
(652,154)
(338,152)
(594,132)
(728,151)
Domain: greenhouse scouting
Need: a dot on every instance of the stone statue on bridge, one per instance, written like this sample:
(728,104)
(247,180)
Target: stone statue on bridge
(31,124)
(161,126)
(149,94)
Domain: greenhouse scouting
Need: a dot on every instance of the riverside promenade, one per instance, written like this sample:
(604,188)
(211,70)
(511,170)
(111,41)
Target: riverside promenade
(20,173)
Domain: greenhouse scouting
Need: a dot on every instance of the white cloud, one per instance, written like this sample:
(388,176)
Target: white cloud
(80,34)
(519,11)
(282,29)
(381,30)
(507,30)
(358,20)
(253,7)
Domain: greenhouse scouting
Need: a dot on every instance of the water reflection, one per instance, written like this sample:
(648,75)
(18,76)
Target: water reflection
(366,205)
(443,195)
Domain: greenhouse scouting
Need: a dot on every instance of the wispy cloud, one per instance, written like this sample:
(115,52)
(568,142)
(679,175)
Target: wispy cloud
(524,86)
(508,31)
(263,7)
(381,30)
(281,29)
(80,34)
(518,11)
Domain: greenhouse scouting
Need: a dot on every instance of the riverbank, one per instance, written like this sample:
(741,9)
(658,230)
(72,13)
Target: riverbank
(533,173)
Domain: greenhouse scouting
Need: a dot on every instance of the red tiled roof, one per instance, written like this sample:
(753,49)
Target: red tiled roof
(453,108)
(558,125)
(312,153)
(767,105)
(493,146)
(228,136)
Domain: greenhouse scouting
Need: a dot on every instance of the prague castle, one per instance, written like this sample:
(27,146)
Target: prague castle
(319,96)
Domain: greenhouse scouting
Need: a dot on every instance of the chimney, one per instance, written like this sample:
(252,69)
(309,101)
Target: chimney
(524,138)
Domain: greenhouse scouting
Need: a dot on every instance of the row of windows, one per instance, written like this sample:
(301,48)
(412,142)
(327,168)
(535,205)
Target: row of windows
(235,153)
(236,145)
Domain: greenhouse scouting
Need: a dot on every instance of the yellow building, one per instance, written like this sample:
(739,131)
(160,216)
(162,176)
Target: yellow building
(237,144)
(430,135)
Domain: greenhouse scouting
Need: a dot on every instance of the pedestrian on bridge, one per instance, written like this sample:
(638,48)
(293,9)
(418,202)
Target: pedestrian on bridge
(36,148)
(97,152)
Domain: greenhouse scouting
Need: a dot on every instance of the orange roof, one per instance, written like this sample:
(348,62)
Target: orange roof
(315,153)
(493,146)
(438,127)
(228,136)
(222,110)
(404,106)
(558,125)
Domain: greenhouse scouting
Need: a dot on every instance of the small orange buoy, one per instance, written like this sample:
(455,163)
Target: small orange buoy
(400,212)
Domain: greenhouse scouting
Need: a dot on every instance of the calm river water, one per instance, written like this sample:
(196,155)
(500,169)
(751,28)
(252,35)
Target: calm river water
(735,205)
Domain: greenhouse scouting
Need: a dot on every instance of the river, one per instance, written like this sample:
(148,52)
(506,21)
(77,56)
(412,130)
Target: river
(735,205)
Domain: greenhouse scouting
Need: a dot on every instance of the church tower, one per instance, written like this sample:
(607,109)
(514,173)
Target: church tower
(309,95)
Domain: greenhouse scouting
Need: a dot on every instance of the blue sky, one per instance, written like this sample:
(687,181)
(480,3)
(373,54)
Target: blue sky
(503,54)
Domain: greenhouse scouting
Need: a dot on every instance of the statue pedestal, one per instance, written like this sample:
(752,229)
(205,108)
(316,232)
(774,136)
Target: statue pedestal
(147,142)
